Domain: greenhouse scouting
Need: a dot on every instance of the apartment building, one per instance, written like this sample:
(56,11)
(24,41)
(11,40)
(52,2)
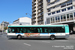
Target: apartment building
(60,12)
(37,12)
(22,21)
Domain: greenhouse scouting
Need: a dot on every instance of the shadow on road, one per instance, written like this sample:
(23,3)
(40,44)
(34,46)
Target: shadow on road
(37,39)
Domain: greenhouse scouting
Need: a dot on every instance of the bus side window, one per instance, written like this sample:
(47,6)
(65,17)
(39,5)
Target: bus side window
(12,30)
(39,30)
(21,30)
(45,30)
(50,30)
(28,30)
(24,30)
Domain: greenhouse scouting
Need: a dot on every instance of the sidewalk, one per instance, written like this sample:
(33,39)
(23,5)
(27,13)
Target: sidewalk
(72,36)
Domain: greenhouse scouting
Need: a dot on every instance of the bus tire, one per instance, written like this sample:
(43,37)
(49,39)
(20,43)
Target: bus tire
(52,37)
(19,37)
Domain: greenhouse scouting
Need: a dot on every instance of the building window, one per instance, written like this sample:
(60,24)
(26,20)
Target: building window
(48,1)
(64,16)
(58,11)
(56,18)
(48,20)
(53,12)
(49,13)
(63,5)
(57,6)
(69,2)
(61,17)
(67,15)
(49,9)
(70,7)
(63,9)
(74,14)
(71,15)
(51,19)
(53,7)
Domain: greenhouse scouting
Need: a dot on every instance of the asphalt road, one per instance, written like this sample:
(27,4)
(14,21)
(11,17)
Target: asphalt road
(36,44)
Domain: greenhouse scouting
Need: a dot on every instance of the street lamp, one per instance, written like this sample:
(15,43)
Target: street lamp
(29,14)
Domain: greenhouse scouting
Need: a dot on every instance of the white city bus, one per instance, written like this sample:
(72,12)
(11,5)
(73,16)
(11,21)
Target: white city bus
(38,31)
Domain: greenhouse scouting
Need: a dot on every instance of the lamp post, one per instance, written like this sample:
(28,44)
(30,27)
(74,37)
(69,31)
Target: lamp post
(31,16)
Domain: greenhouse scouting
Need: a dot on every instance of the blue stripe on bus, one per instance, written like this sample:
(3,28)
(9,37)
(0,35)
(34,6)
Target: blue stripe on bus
(51,33)
(47,33)
(19,33)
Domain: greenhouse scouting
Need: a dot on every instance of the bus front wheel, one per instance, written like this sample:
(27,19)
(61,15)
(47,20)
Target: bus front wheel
(52,37)
(19,36)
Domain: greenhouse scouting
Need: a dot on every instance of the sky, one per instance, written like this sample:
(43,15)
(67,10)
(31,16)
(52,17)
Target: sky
(11,10)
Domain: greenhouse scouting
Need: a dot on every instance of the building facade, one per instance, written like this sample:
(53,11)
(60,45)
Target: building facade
(60,12)
(52,12)
(23,21)
(37,12)
(0,27)
(3,25)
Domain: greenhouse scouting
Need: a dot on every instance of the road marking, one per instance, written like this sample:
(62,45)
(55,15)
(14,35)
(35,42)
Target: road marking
(62,40)
(27,44)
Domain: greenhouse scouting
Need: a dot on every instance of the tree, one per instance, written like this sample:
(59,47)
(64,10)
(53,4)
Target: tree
(5,28)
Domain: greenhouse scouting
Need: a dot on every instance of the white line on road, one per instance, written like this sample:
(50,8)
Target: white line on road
(27,44)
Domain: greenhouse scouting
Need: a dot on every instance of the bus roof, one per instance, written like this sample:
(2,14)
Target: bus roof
(36,25)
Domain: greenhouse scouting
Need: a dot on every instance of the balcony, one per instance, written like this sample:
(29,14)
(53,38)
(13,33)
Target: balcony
(40,15)
(63,20)
(39,0)
(41,3)
(63,6)
(55,9)
(69,4)
(57,20)
(34,3)
(33,10)
(40,22)
(34,6)
(52,21)
(34,13)
(33,17)
(40,19)
(68,19)
(71,18)
(39,11)
(33,23)
(39,7)
(34,20)
(61,1)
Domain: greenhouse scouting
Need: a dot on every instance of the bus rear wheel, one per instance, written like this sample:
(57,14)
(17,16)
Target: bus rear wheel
(52,37)
(19,37)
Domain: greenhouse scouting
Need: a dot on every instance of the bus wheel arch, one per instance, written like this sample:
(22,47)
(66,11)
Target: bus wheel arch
(52,37)
(19,36)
